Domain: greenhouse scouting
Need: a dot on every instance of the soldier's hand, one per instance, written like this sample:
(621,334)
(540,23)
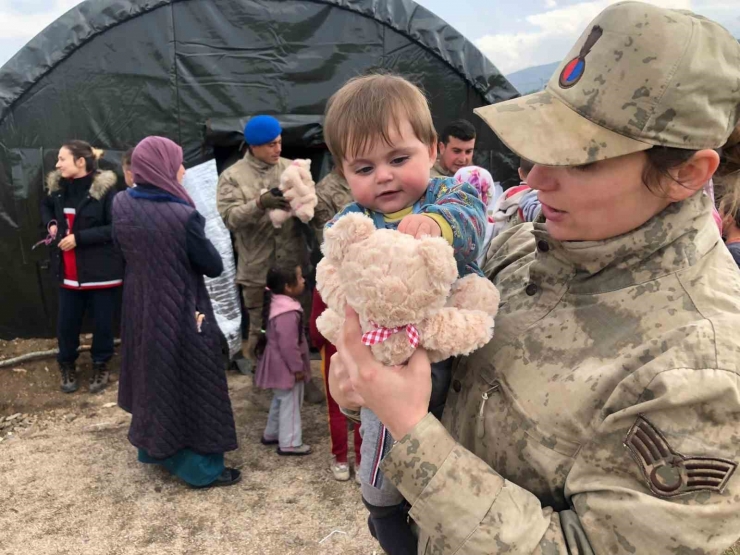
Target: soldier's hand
(419,225)
(398,395)
(271,201)
(340,385)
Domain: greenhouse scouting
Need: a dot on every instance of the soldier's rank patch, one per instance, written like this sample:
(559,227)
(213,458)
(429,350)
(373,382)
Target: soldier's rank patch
(668,473)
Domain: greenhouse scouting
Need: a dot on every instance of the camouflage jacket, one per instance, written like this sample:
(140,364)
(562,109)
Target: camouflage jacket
(259,245)
(333,194)
(603,417)
(438,170)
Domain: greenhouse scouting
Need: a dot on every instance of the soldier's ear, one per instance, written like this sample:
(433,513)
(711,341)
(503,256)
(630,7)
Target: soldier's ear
(692,175)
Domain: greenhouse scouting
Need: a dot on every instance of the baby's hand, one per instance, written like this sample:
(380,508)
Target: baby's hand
(199,319)
(420,225)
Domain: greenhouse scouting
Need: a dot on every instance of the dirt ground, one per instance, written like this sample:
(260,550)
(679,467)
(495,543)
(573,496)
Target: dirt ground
(70,483)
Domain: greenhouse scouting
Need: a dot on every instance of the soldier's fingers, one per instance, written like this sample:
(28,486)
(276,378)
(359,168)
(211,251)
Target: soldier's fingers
(363,365)
(340,385)
(419,363)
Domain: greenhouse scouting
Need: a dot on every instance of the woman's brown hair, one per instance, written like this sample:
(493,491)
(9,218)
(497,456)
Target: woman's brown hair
(727,178)
(82,149)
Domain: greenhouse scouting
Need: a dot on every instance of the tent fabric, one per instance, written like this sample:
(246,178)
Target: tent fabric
(114,71)
(93,17)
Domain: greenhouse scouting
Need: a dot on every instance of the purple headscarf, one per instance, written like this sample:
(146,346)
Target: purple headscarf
(156,161)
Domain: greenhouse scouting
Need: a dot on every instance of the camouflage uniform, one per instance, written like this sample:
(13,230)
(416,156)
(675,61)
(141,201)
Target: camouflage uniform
(610,362)
(438,170)
(259,245)
(333,194)
(603,417)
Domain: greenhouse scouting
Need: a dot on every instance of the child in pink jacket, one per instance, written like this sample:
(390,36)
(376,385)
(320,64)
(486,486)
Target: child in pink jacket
(284,364)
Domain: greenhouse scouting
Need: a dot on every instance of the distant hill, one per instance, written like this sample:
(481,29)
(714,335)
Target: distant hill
(532,79)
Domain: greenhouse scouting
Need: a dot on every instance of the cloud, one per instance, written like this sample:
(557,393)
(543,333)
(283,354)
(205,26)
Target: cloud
(17,21)
(550,3)
(555,31)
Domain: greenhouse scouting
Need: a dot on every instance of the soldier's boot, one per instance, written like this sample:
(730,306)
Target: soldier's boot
(100,377)
(249,356)
(69,377)
(241,364)
(312,394)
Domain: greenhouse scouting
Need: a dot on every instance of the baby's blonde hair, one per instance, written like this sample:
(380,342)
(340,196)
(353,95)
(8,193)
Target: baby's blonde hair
(366,108)
(727,178)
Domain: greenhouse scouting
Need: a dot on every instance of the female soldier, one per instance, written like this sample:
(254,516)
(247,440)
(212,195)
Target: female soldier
(77,211)
(603,416)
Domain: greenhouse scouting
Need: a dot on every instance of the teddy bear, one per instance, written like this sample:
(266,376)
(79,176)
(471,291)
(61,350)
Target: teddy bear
(406,292)
(299,189)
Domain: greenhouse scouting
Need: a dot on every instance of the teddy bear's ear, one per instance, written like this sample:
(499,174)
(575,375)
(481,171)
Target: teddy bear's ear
(350,229)
(439,259)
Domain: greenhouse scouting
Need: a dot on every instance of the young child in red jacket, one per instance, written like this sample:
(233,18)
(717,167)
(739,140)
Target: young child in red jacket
(337,421)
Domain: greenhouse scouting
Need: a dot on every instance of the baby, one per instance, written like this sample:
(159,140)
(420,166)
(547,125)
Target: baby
(380,131)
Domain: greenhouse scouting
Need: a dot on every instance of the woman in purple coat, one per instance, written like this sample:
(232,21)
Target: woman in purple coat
(173,379)
(284,364)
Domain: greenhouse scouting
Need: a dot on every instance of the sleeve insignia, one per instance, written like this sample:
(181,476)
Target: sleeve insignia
(669,473)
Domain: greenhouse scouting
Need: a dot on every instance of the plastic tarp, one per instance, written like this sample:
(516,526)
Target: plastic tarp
(201,182)
(115,71)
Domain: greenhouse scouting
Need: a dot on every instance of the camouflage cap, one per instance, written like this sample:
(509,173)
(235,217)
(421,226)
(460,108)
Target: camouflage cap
(638,77)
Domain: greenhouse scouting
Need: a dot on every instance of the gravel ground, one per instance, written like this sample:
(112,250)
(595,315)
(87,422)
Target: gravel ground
(70,483)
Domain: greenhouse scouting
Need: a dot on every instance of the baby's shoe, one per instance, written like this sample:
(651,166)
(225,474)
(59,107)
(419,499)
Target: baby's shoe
(340,471)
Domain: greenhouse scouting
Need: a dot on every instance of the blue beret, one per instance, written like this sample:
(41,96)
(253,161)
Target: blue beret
(261,130)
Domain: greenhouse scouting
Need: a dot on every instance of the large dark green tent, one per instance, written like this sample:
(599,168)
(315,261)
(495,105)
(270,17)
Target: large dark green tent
(114,71)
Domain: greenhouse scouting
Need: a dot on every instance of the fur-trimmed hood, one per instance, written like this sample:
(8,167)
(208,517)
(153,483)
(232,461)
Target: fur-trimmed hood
(102,182)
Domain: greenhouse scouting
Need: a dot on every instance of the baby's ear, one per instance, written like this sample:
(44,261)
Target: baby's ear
(350,229)
(439,259)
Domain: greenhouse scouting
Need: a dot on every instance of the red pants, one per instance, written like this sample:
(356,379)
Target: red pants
(337,421)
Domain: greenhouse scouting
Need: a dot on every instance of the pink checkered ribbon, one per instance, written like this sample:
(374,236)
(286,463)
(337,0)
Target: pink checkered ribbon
(379,334)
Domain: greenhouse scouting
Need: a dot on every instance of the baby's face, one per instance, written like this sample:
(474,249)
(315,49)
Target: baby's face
(388,178)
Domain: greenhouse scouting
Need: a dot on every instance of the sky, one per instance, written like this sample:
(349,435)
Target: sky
(514,34)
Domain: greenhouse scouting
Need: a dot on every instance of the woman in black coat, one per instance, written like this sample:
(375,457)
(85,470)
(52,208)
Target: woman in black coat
(77,213)
(173,378)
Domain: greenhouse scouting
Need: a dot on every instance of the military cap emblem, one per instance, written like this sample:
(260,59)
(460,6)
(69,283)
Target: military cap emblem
(668,473)
(573,70)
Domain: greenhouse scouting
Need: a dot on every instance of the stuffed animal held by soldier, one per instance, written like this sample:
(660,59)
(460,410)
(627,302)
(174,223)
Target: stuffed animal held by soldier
(405,291)
(298,188)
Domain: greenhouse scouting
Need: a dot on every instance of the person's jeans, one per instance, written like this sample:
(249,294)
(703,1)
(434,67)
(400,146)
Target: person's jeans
(73,304)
